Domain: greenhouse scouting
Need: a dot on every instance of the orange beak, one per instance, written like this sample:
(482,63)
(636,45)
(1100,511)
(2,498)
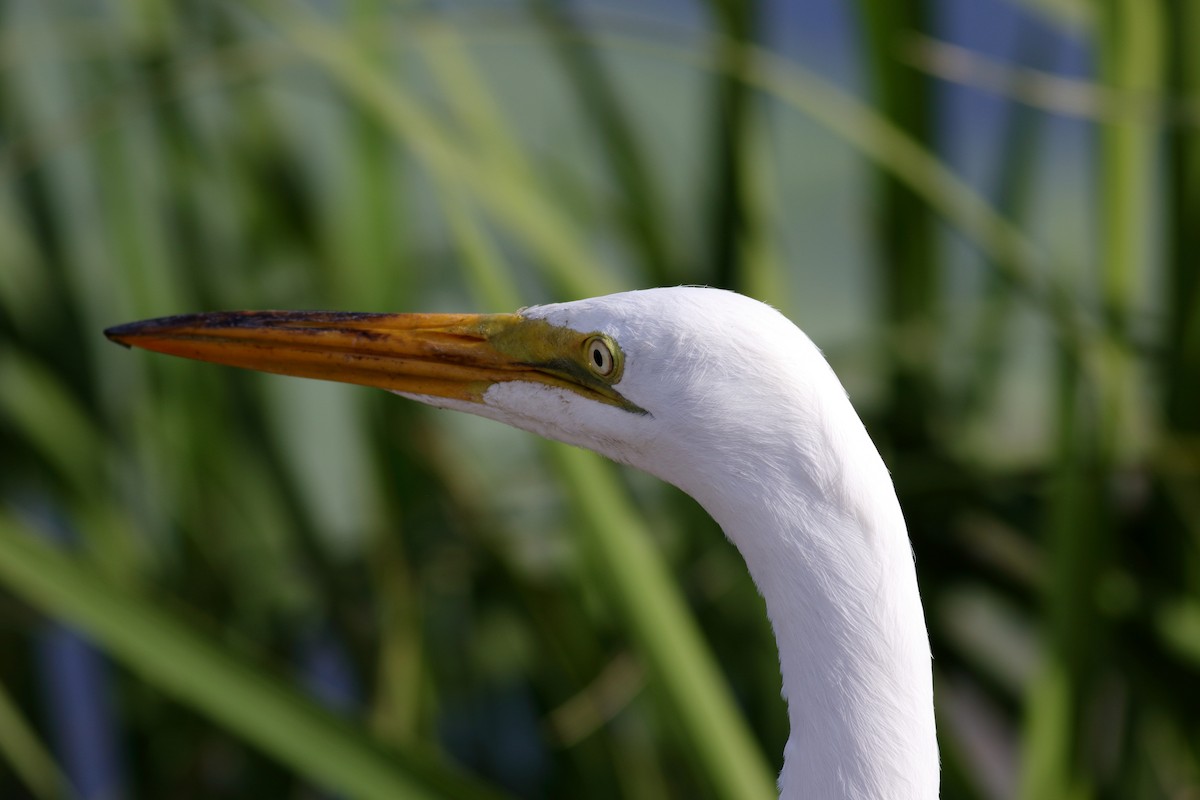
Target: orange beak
(457,356)
(446,355)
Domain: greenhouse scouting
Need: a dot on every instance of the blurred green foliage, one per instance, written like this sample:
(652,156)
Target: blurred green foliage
(300,584)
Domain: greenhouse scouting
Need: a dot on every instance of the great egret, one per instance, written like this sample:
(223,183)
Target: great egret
(725,398)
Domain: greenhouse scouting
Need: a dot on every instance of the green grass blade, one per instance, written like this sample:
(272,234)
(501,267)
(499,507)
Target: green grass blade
(1179,627)
(28,759)
(34,401)
(1095,410)
(1071,518)
(1182,287)
(485,270)
(666,633)
(732,125)
(198,672)
(642,588)
(906,255)
(511,198)
(1044,773)
(474,105)
(1130,45)
(1018,160)
(641,211)
(764,265)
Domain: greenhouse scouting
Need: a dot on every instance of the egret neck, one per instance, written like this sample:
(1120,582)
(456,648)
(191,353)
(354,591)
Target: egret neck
(828,550)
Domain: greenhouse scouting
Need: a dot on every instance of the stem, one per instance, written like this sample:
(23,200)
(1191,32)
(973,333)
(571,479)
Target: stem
(908,269)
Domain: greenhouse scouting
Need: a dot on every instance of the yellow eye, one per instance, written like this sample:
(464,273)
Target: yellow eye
(599,356)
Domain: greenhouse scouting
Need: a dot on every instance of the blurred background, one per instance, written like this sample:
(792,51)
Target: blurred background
(228,585)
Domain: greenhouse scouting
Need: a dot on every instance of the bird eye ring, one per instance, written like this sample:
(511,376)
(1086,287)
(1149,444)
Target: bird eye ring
(600,356)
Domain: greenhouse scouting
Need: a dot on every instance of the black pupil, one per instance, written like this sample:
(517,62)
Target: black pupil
(598,356)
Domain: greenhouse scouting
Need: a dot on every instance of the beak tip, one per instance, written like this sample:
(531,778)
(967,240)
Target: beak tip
(120,334)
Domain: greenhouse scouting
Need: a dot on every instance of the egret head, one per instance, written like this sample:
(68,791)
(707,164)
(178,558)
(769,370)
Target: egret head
(712,374)
(641,377)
